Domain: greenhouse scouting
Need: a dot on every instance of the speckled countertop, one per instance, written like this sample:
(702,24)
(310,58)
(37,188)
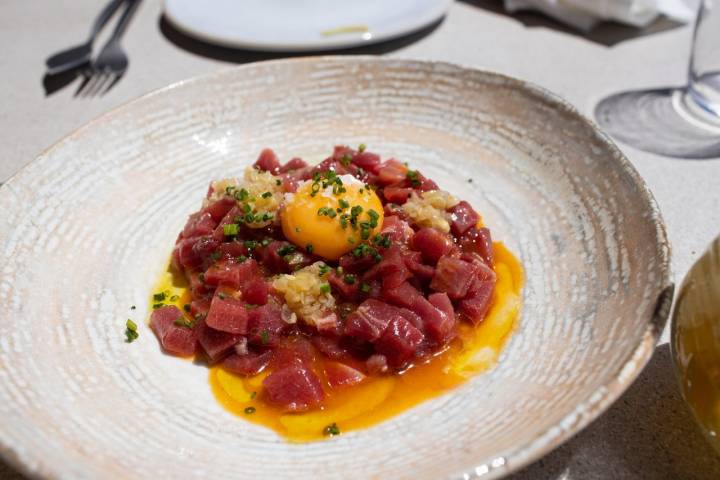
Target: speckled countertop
(648,433)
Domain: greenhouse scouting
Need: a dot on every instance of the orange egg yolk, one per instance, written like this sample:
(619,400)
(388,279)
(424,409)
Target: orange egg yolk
(331,223)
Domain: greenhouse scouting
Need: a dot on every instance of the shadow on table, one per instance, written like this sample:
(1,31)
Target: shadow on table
(234,55)
(606,33)
(647,433)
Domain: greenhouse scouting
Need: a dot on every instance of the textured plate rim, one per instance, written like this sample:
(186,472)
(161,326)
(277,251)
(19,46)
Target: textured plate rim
(427,18)
(586,411)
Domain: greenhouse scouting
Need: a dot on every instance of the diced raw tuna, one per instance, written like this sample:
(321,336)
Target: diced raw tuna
(291,349)
(220,208)
(230,217)
(342,151)
(255,291)
(271,258)
(348,291)
(392,269)
(194,252)
(453,276)
(399,342)
(399,230)
(174,338)
(463,218)
(198,288)
(478,240)
(268,161)
(413,261)
(367,161)
(330,347)
(403,296)
(249,364)
(370,320)
(265,325)
(224,272)
(199,306)
(353,264)
(397,195)
(432,243)
(198,224)
(293,388)
(412,317)
(293,164)
(232,250)
(476,304)
(392,172)
(376,364)
(341,375)
(216,344)
(440,328)
(227,314)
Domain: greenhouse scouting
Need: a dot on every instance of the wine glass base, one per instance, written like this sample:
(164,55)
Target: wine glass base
(662,121)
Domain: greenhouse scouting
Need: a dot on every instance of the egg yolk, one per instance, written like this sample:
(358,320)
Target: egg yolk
(330,222)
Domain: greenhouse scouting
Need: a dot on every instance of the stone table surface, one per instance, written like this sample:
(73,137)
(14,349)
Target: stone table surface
(648,433)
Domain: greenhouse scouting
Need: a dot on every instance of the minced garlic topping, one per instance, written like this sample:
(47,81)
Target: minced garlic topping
(307,293)
(262,194)
(428,210)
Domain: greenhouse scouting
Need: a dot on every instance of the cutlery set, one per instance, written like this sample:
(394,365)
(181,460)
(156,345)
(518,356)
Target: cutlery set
(102,73)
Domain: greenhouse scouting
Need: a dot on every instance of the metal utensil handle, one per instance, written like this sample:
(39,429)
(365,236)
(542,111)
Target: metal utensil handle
(103,17)
(124,19)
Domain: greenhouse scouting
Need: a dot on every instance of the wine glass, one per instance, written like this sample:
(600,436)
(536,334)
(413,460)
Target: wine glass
(677,122)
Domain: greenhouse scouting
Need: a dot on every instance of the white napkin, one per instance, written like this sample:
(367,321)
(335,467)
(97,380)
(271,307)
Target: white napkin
(585,14)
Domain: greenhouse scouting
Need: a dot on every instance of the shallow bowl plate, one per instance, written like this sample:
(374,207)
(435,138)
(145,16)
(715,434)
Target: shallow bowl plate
(88,227)
(301,25)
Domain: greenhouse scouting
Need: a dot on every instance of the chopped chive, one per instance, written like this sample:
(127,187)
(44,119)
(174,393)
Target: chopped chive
(349,279)
(364,287)
(157,305)
(323,269)
(230,230)
(253,395)
(132,307)
(266,195)
(286,250)
(331,430)
(222,295)
(159,297)
(241,258)
(345,160)
(413,176)
(361,148)
(131,333)
(186,307)
(343,203)
(184,322)
(249,410)
(250,244)
(174,298)
(264,337)
(309,248)
(325,288)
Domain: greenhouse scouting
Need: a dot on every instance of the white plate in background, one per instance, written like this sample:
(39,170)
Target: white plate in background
(301,25)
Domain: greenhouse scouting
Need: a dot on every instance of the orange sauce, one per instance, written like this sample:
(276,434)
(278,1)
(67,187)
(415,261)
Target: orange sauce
(378,398)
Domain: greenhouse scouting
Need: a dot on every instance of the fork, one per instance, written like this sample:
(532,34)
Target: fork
(112,62)
(75,56)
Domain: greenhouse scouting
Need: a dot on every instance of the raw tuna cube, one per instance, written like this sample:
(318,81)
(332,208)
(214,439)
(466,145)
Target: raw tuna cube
(293,164)
(475,306)
(453,276)
(440,327)
(478,240)
(391,172)
(399,230)
(370,320)
(227,314)
(330,347)
(232,250)
(216,344)
(413,261)
(291,349)
(265,325)
(399,342)
(293,388)
(463,218)
(255,292)
(403,296)
(347,291)
(220,208)
(175,339)
(341,375)
(367,161)
(224,272)
(249,364)
(199,224)
(432,243)
(392,269)
(397,195)
(268,161)
(194,252)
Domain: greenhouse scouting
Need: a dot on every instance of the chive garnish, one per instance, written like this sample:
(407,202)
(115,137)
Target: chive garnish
(131,333)
(325,288)
(249,410)
(331,430)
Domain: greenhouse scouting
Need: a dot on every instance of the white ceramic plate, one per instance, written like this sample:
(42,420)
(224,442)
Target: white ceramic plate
(87,228)
(301,25)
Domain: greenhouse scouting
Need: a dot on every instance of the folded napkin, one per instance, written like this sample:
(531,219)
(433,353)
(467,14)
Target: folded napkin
(585,14)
